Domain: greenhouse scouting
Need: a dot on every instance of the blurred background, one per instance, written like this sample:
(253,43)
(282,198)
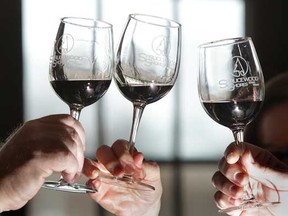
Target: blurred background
(175,131)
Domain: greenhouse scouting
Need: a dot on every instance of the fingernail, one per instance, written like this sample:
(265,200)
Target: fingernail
(94,174)
(117,170)
(239,177)
(233,189)
(97,184)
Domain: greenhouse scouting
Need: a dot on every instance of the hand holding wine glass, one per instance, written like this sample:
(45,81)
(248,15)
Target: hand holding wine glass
(34,151)
(269,180)
(119,200)
(231,90)
(147,65)
(81,70)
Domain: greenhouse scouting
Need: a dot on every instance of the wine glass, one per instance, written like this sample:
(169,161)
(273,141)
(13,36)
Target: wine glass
(231,90)
(147,65)
(81,68)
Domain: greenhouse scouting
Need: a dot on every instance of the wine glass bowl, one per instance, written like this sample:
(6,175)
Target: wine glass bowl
(231,83)
(147,65)
(231,90)
(148,58)
(80,71)
(82,62)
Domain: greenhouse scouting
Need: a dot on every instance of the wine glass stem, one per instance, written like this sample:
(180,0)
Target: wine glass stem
(75,113)
(138,109)
(239,140)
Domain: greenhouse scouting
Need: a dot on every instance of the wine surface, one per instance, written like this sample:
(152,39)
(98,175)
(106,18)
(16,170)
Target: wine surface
(144,93)
(80,93)
(233,113)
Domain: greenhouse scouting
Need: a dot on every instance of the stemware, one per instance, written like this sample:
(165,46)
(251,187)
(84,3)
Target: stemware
(147,65)
(81,68)
(231,90)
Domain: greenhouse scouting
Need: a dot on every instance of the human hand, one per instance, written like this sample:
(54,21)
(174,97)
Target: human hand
(38,148)
(121,201)
(268,175)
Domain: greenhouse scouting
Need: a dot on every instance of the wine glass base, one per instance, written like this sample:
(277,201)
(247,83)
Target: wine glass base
(126,182)
(62,185)
(248,205)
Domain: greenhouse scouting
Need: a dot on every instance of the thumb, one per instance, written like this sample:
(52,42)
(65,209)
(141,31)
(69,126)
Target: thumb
(263,166)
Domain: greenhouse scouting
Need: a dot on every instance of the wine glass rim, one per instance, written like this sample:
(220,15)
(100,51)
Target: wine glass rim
(139,17)
(86,22)
(224,42)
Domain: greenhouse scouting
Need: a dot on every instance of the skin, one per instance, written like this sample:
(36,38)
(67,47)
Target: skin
(269,176)
(38,148)
(123,201)
(56,143)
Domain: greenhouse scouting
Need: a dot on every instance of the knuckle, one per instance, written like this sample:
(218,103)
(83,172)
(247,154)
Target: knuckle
(217,180)
(73,134)
(68,118)
(214,178)
(218,197)
(73,137)
(65,155)
(102,150)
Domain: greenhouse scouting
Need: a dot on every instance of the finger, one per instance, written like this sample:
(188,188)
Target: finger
(232,153)
(67,120)
(120,149)
(223,201)
(61,161)
(261,164)
(70,166)
(106,156)
(138,158)
(95,183)
(56,138)
(223,184)
(149,169)
(233,172)
(73,142)
(90,169)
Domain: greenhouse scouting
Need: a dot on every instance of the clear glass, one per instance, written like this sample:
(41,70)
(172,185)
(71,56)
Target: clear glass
(231,90)
(80,72)
(187,120)
(147,65)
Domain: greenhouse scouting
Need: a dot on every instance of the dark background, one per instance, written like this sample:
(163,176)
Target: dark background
(266,22)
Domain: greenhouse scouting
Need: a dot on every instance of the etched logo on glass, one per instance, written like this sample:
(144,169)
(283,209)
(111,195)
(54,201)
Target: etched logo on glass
(161,46)
(240,66)
(242,75)
(65,44)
